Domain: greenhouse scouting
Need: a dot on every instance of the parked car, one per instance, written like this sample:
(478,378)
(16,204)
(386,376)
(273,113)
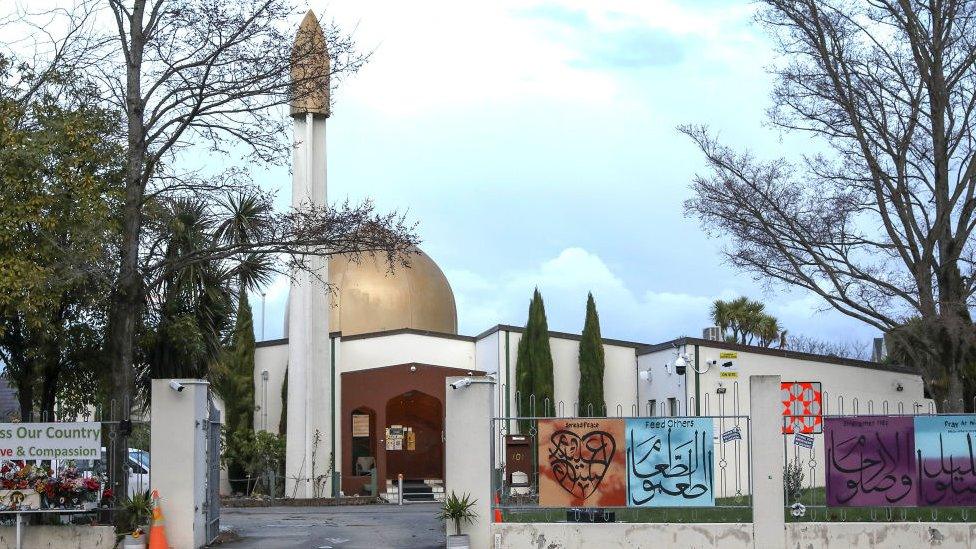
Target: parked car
(138,467)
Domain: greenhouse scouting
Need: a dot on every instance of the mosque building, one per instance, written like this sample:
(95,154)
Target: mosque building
(358,380)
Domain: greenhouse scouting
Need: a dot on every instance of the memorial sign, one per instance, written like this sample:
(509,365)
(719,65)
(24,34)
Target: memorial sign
(870,461)
(670,462)
(946,460)
(582,463)
(31,441)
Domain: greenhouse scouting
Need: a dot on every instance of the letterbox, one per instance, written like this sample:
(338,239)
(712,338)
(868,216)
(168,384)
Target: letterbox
(518,460)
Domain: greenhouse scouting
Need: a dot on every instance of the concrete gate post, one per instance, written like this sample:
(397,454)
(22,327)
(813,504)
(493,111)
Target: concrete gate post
(467,446)
(766,466)
(178,449)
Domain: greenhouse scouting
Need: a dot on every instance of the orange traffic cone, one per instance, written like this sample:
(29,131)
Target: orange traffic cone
(498,512)
(157,532)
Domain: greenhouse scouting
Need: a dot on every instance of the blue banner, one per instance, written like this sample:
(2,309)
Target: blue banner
(669,462)
(946,447)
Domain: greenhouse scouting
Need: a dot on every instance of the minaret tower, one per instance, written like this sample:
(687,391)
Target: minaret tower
(309,374)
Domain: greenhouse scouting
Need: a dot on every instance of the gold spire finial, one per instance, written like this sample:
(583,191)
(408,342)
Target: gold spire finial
(310,69)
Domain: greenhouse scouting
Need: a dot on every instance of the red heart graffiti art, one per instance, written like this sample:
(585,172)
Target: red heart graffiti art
(579,463)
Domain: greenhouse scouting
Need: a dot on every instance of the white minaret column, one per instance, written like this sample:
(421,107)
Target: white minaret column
(308,442)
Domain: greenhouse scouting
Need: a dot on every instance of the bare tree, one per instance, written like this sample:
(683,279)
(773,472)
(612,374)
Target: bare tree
(879,226)
(213,79)
(858,350)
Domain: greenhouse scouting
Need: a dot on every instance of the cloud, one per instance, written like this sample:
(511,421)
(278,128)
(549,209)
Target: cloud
(564,282)
(609,40)
(649,317)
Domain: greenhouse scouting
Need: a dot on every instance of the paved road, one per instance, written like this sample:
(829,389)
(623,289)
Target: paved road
(411,526)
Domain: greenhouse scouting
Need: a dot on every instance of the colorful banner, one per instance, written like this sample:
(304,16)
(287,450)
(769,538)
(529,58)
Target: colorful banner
(669,462)
(802,407)
(870,461)
(582,463)
(946,460)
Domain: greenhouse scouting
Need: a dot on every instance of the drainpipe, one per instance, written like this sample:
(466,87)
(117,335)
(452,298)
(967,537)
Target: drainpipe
(508,387)
(697,385)
(637,380)
(335,473)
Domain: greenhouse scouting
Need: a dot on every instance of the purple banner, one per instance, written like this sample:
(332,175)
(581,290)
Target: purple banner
(870,461)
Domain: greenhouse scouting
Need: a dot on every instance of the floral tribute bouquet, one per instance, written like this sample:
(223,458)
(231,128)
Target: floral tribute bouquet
(70,489)
(18,475)
(20,484)
(66,490)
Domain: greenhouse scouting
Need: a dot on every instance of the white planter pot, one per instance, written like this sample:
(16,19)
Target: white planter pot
(458,542)
(129,542)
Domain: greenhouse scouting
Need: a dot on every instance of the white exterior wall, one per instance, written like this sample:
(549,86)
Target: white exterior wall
(619,375)
(838,382)
(267,394)
(620,380)
(664,383)
(380,351)
(487,354)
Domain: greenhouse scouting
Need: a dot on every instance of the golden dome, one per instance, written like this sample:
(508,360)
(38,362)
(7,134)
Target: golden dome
(372,299)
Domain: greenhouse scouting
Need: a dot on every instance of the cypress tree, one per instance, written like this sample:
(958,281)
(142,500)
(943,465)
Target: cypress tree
(283,420)
(533,366)
(236,385)
(591,364)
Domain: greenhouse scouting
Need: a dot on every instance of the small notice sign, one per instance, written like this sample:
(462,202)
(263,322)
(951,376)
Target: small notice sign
(360,425)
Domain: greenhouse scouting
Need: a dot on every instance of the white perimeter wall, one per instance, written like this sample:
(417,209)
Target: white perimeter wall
(817,535)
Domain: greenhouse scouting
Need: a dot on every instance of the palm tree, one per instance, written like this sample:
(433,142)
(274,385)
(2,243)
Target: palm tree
(190,316)
(747,320)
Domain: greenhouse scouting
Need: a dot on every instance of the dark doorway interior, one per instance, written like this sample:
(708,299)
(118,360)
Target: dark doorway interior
(422,454)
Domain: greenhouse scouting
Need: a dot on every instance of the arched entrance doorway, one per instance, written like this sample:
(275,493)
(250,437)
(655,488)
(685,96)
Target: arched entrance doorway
(419,418)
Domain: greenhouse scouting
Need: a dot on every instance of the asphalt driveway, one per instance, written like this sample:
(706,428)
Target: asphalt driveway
(412,526)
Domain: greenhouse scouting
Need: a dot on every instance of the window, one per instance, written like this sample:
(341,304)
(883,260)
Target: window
(672,407)
(652,407)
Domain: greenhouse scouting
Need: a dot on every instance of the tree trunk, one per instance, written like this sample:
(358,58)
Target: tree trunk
(127,299)
(955,401)
(49,391)
(25,395)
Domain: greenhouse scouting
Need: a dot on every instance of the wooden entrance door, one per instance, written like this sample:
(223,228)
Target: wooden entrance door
(422,419)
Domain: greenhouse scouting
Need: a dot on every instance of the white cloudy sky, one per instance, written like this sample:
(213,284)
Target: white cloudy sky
(535,143)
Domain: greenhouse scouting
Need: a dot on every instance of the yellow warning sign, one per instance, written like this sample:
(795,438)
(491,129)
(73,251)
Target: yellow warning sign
(728,354)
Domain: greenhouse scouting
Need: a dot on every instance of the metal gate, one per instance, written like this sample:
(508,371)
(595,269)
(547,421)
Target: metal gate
(212,503)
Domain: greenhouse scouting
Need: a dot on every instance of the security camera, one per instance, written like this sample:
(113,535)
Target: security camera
(461,383)
(176,386)
(680,364)
(712,363)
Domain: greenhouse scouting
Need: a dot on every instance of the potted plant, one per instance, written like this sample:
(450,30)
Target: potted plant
(458,510)
(136,513)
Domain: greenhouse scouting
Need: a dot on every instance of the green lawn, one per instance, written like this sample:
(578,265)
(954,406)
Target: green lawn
(815,501)
(740,510)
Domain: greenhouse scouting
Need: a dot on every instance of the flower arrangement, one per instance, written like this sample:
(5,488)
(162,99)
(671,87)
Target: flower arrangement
(69,488)
(18,475)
